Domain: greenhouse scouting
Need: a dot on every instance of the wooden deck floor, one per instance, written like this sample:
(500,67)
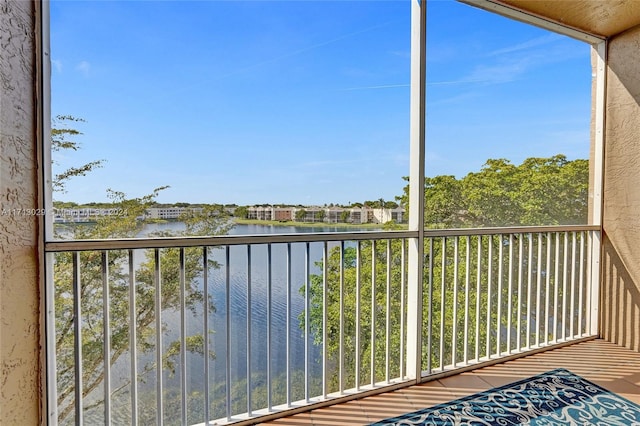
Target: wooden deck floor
(612,367)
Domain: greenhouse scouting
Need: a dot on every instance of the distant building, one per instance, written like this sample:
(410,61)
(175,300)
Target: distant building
(387,215)
(169,213)
(83,214)
(260,213)
(334,214)
(283,214)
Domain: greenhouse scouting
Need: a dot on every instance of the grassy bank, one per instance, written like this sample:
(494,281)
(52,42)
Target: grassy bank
(307,224)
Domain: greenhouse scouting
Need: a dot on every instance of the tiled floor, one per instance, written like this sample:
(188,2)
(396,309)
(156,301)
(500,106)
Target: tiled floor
(614,368)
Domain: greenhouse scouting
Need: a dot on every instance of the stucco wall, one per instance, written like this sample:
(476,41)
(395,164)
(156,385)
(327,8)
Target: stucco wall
(620,303)
(19,290)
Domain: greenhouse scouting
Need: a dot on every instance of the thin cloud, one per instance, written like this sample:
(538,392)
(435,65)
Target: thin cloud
(305,49)
(84,68)
(57,65)
(535,42)
(401,53)
(325,163)
(512,62)
(500,73)
(455,82)
(383,86)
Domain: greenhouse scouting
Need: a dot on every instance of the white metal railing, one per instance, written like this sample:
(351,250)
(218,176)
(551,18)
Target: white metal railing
(493,294)
(185,330)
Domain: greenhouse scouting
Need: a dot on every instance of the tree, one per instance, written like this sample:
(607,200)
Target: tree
(212,220)
(320,215)
(540,191)
(60,142)
(242,212)
(301,214)
(345,215)
(357,282)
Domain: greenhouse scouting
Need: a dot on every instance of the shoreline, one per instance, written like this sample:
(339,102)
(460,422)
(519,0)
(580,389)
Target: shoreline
(237,221)
(308,224)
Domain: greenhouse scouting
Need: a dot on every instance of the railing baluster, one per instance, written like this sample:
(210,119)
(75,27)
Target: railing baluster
(520,278)
(307,319)
(500,280)
(510,295)
(133,339)
(288,325)
(341,347)
(249,346)
(556,288)
(159,348)
(443,281)
(573,284)
(387,328)
(403,284)
(581,330)
(227,302)
(106,330)
(467,283)
(357,346)
(205,284)
(77,338)
(269,337)
(478,295)
(454,307)
(183,339)
(548,287)
(538,285)
(430,313)
(565,279)
(489,284)
(373,314)
(529,289)
(325,321)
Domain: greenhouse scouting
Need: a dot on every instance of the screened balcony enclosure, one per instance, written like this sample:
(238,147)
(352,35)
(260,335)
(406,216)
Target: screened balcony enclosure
(318,328)
(244,329)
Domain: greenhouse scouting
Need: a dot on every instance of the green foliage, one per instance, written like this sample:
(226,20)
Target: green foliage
(211,220)
(468,302)
(540,191)
(92,288)
(361,314)
(103,273)
(241,212)
(60,141)
(301,214)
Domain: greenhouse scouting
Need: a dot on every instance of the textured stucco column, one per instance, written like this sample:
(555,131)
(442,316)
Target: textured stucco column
(620,302)
(20,383)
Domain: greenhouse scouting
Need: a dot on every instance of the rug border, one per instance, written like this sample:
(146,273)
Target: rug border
(387,421)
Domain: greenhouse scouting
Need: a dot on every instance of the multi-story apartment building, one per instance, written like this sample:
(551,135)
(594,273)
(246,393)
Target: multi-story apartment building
(169,213)
(355,215)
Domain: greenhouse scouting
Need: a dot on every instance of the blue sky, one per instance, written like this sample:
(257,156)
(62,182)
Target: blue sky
(300,101)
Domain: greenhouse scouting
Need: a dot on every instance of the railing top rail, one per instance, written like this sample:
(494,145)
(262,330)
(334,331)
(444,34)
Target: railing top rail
(430,233)
(223,240)
(167,242)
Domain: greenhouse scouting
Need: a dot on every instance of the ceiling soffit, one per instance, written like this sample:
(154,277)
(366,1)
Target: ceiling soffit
(602,18)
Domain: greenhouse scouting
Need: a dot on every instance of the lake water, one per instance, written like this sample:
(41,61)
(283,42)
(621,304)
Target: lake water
(243,281)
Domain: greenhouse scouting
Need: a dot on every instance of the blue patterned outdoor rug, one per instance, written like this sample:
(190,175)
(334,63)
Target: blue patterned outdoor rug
(557,397)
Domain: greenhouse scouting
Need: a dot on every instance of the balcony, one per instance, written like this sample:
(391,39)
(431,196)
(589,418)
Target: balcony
(30,390)
(305,320)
